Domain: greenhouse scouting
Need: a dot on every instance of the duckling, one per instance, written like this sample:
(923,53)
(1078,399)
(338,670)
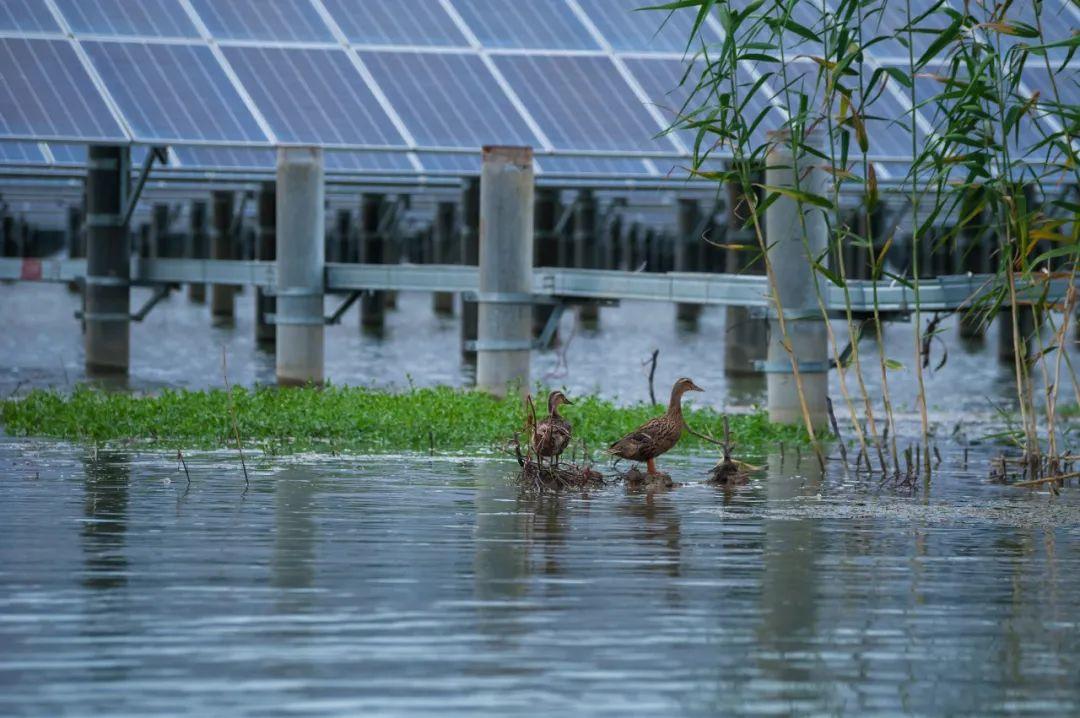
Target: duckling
(657,436)
(552,434)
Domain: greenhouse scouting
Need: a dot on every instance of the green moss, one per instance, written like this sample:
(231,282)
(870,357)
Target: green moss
(340,419)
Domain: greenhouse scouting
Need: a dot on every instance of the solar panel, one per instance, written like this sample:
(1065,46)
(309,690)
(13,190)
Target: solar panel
(356,161)
(45,93)
(312,96)
(534,25)
(237,158)
(454,163)
(173,92)
(661,78)
(401,22)
(582,103)
(607,166)
(146,18)
(21,153)
(26,16)
(68,155)
(280,20)
(447,100)
(631,29)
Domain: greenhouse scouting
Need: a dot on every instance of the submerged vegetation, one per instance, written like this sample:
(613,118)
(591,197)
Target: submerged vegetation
(342,419)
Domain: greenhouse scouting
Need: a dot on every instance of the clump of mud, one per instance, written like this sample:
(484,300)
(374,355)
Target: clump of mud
(558,475)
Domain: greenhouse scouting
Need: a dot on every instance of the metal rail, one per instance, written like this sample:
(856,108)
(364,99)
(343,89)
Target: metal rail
(940,293)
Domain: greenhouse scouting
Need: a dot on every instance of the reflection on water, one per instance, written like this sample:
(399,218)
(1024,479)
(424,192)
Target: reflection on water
(414,586)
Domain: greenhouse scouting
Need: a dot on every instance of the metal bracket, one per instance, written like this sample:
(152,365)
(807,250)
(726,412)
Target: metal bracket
(102,316)
(499,345)
(99,281)
(155,153)
(292,292)
(160,293)
(336,316)
(784,367)
(508,298)
(548,333)
(280,320)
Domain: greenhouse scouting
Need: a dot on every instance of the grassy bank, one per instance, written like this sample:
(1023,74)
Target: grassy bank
(338,419)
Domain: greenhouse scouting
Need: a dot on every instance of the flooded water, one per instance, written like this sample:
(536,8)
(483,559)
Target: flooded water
(178,346)
(415,586)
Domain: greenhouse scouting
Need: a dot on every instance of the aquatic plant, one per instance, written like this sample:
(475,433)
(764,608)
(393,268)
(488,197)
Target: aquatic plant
(988,155)
(341,418)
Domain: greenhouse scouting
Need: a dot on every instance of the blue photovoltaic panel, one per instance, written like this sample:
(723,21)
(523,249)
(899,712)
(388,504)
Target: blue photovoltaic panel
(281,20)
(534,25)
(890,19)
(453,163)
(661,78)
(632,30)
(1066,81)
(1057,21)
(314,96)
(45,93)
(252,158)
(153,18)
(359,161)
(26,16)
(173,92)
(400,22)
(65,154)
(21,153)
(582,103)
(607,166)
(447,100)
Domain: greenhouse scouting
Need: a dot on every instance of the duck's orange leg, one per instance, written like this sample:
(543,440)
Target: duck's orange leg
(651,464)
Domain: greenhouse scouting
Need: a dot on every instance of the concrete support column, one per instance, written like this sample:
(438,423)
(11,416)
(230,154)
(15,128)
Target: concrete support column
(337,248)
(442,242)
(686,251)
(222,296)
(372,251)
(76,244)
(266,251)
(107,299)
(159,231)
(301,264)
(791,240)
(585,247)
(197,246)
(745,335)
(506,263)
(545,245)
(470,256)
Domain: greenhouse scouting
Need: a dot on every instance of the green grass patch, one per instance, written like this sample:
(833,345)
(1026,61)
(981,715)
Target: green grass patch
(347,419)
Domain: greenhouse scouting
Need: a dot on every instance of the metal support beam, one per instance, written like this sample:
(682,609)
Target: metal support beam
(198,246)
(585,247)
(300,265)
(441,244)
(686,252)
(106,290)
(470,257)
(373,219)
(506,255)
(155,153)
(546,248)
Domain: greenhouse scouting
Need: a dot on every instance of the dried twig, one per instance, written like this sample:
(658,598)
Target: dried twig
(1048,479)
(652,375)
(180,458)
(836,430)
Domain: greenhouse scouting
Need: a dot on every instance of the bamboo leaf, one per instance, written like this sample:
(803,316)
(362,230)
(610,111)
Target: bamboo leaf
(799,196)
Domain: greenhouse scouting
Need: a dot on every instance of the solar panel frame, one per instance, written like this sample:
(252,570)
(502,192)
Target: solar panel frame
(407,23)
(533,25)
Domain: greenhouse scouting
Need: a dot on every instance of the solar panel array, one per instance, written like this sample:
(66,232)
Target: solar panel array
(408,86)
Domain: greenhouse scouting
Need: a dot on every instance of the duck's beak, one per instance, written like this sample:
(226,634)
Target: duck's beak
(566,401)
(695,387)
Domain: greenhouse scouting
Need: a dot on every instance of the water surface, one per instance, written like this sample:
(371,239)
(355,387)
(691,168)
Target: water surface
(415,585)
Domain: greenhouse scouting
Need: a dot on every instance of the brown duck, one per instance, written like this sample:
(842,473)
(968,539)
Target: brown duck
(657,436)
(551,435)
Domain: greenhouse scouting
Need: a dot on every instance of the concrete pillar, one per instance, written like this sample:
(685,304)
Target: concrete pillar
(372,251)
(76,243)
(221,247)
(266,251)
(585,247)
(442,242)
(159,234)
(470,256)
(506,263)
(197,246)
(300,265)
(545,245)
(745,334)
(793,273)
(338,248)
(688,217)
(108,293)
